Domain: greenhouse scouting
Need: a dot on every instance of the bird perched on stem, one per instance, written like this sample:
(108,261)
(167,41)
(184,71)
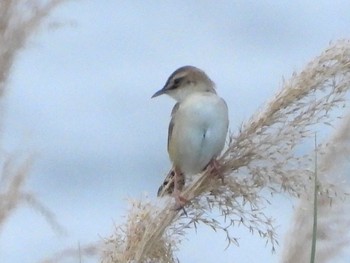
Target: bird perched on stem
(198,127)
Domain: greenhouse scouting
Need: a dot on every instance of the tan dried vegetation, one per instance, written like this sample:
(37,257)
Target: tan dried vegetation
(15,29)
(260,160)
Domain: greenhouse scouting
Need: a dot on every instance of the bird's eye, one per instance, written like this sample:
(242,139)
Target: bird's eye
(177,82)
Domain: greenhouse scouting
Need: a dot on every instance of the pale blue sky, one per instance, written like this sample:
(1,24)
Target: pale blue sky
(79,99)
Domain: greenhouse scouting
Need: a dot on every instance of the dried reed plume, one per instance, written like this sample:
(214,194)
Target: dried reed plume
(18,21)
(261,158)
(12,194)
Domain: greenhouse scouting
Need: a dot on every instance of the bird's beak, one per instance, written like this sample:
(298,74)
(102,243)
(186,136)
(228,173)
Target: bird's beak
(158,93)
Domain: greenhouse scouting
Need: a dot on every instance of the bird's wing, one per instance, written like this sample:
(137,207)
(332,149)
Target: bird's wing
(171,124)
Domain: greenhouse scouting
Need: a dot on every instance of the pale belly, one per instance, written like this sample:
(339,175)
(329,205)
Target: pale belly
(199,133)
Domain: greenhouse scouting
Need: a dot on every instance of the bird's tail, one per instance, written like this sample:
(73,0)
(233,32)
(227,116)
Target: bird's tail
(167,187)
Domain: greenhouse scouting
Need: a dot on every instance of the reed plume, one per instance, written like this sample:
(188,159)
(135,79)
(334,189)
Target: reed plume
(19,20)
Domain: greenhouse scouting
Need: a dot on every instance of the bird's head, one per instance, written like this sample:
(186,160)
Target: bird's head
(185,81)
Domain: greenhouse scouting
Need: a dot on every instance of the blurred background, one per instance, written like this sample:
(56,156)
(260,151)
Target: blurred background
(79,102)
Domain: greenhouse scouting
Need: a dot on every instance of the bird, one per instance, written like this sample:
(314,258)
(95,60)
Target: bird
(198,128)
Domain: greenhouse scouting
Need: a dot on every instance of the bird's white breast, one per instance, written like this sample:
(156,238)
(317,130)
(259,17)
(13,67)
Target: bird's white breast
(199,132)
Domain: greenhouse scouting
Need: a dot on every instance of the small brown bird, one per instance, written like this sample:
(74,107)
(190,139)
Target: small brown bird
(198,127)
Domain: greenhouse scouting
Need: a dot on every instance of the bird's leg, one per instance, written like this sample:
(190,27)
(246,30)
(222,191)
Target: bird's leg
(214,169)
(179,178)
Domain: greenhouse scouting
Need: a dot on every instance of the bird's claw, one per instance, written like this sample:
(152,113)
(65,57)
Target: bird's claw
(180,202)
(214,169)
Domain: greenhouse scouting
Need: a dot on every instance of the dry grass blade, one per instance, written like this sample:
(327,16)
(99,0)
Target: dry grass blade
(333,209)
(11,189)
(76,254)
(259,159)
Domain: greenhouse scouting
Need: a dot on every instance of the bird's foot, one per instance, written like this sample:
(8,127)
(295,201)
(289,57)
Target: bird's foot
(180,202)
(214,169)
